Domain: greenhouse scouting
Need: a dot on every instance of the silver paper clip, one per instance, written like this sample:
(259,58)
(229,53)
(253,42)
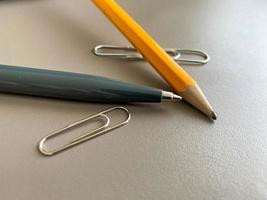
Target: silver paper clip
(130,53)
(104,128)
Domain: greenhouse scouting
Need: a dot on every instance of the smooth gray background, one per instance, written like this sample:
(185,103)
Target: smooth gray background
(168,151)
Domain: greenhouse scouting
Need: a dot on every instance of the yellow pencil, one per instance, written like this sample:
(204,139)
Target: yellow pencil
(177,78)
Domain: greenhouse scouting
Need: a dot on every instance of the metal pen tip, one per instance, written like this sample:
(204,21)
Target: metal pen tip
(169,96)
(177,97)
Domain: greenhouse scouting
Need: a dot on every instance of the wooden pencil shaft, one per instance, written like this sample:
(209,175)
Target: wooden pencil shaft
(177,78)
(155,55)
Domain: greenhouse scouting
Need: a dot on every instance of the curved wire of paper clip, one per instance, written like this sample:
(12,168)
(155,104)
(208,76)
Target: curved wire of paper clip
(87,136)
(130,53)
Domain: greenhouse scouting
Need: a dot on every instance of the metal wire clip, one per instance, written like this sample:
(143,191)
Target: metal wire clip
(130,53)
(86,136)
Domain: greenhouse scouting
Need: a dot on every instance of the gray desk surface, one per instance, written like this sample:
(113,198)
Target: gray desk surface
(168,151)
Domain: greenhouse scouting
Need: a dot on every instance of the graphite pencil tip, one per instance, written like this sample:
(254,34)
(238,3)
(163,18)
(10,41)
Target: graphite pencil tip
(195,96)
(213,115)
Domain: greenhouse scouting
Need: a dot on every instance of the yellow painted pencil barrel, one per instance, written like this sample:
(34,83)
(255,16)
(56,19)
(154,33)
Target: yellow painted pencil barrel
(176,77)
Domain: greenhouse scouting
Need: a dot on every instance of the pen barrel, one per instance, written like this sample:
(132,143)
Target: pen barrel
(73,86)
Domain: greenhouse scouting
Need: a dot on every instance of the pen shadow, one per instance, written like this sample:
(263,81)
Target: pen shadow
(54,105)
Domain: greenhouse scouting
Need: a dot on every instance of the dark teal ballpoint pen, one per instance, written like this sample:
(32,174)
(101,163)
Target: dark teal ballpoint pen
(75,86)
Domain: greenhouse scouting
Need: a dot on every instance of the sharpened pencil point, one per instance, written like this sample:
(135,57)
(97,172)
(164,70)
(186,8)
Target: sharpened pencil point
(213,116)
(195,96)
